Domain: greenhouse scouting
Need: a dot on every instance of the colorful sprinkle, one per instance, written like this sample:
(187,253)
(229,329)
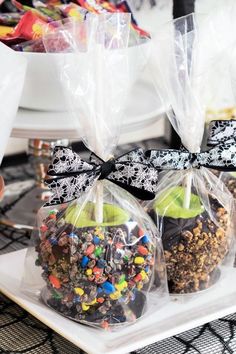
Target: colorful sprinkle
(84,261)
(85,307)
(96,240)
(108,287)
(138,260)
(142,250)
(89,272)
(98,251)
(89,250)
(121,286)
(79,291)
(54,281)
(116,295)
(145,239)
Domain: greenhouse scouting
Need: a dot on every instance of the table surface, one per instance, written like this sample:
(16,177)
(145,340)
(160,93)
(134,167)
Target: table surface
(22,333)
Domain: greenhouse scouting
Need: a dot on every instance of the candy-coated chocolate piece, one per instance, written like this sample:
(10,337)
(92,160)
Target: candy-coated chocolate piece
(116,295)
(97,270)
(145,239)
(138,278)
(100,300)
(138,260)
(142,250)
(143,274)
(84,261)
(96,240)
(98,251)
(89,250)
(54,281)
(89,272)
(79,291)
(121,286)
(108,287)
(85,307)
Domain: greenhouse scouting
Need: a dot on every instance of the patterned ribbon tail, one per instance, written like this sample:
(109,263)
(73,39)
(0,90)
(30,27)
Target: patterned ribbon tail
(221,131)
(71,176)
(220,157)
(170,159)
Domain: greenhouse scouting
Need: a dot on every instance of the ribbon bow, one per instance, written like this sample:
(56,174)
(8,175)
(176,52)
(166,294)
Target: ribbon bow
(71,176)
(222,155)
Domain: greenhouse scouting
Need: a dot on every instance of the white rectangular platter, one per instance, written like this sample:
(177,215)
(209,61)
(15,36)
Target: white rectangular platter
(175,317)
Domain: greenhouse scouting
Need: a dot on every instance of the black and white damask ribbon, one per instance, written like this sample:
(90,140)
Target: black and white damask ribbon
(71,176)
(221,156)
(221,131)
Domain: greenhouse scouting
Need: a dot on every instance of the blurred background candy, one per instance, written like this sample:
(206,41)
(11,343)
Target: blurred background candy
(26,21)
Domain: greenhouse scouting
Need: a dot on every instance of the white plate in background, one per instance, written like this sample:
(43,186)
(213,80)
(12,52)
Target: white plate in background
(143,108)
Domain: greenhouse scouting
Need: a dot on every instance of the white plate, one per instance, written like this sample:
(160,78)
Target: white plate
(142,109)
(172,319)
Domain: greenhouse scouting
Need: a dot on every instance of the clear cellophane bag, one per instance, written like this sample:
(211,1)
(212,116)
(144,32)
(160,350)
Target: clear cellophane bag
(193,208)
(100,255)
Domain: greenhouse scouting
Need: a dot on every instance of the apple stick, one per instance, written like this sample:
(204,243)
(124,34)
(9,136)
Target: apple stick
(99,116)
(188,187)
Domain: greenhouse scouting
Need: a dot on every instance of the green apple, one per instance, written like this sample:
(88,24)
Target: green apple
(112,215)
(170,203)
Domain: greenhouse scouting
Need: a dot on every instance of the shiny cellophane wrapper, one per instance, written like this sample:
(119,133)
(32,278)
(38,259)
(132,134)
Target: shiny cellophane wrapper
(193,208)
(100,255)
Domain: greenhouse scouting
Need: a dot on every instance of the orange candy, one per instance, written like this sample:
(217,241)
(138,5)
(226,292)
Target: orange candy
(138,277)
(142,250)
(97,271)
(90,250)
(54,281)
(100,300)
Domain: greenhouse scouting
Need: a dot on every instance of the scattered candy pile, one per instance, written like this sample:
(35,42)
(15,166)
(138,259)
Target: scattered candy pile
(23,29)
(95,274)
